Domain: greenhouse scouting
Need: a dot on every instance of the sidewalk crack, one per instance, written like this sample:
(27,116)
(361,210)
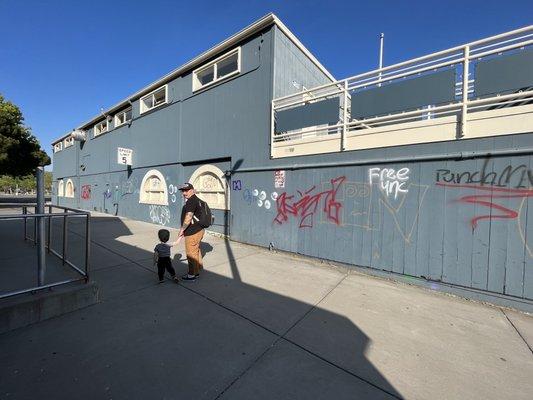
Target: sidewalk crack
(517,331)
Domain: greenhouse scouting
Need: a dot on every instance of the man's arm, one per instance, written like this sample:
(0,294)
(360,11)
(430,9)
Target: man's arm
(186,222)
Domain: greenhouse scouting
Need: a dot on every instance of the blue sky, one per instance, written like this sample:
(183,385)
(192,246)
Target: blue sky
(62,60)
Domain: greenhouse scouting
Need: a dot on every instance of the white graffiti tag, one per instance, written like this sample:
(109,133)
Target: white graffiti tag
(390,180)
(172,190)
(159,214)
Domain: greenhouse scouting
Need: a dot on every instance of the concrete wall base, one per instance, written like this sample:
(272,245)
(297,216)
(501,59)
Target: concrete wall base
(24,310)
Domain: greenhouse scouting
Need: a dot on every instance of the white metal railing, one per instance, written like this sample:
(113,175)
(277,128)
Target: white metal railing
(461,58)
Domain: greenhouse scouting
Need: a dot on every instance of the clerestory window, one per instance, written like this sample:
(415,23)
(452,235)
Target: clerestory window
(123,117)
(155,99)
(223,67)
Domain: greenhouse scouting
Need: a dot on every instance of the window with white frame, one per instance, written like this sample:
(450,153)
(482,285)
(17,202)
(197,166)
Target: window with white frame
(223,67)
(153,189)
(60,188)
(100,128)
(123,117)
(155,99)
(58,147)
(69,188)
(68,142)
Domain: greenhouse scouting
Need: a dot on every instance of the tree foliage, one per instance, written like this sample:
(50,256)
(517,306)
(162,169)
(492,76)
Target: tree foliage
(20,152)
(24,184)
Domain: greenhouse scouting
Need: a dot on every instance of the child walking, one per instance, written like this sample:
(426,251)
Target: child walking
(162,256)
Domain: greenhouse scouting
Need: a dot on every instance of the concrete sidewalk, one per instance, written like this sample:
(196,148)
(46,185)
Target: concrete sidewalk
(261,325)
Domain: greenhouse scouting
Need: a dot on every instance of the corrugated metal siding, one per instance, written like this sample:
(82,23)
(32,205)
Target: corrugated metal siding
(291,64)
(430,231)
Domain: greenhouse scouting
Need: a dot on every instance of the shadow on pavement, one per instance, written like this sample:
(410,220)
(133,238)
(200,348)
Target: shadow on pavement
(218,337)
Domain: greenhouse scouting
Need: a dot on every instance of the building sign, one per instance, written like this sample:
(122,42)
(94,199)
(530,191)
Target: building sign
(124,156)
(279,179)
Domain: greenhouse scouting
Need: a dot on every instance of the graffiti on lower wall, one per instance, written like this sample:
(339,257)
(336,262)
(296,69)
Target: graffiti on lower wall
(496,195)
(85,192)
(259,197)
(129,187)
(390,180)
(172,191)
(304,206)
(159,214)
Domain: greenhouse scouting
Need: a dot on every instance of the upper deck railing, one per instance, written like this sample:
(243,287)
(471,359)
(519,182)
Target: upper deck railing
(422,100)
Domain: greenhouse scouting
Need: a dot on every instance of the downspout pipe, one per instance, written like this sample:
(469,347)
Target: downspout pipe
(457,156)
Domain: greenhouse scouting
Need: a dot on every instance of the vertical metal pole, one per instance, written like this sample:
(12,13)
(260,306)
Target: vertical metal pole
(49,228)
(381,42)
(87,245)
(65,236)
(25,211)
(345,116)
(40,222)
(34,226)
(466,65)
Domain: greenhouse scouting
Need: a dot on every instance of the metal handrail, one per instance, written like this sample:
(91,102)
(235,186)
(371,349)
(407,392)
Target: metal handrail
(65,215)
(456,57)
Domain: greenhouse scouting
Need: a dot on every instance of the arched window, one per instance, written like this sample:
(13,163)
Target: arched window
(69,188)
(153,189)
(210,185)
(60,188)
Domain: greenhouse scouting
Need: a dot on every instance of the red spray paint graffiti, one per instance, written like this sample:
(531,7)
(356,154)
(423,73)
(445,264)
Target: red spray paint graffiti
(307,204)
(86,192)
(487,200)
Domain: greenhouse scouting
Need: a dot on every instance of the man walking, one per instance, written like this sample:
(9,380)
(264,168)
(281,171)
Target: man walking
(192,230)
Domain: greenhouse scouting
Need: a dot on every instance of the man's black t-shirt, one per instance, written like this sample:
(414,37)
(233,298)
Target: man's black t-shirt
(192,205)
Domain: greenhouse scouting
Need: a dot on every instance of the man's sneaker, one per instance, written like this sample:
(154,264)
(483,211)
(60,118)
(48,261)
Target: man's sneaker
(161,280)
(189,277)
(175,278)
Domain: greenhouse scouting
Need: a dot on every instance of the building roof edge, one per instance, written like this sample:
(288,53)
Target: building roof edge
(261,23)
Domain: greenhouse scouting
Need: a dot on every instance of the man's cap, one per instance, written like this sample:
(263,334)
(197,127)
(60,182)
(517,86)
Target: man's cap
(186,186)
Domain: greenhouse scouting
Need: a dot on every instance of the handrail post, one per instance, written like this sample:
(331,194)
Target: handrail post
(35,226)
(64,237)
(40,222)
(25,211)
(49,241)
(344,116)
(464,109)
(87,245)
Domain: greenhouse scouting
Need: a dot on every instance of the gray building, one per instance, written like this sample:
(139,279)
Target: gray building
(409,171)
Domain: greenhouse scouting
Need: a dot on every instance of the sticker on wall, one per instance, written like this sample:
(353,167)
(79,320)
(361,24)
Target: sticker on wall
(279,179)
(236,185)
(86,192)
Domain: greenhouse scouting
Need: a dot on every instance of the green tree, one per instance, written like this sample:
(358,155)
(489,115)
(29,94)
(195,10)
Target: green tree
(48,181)
(20,152)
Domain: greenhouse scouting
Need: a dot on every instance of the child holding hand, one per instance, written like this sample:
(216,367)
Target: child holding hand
(162,255)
